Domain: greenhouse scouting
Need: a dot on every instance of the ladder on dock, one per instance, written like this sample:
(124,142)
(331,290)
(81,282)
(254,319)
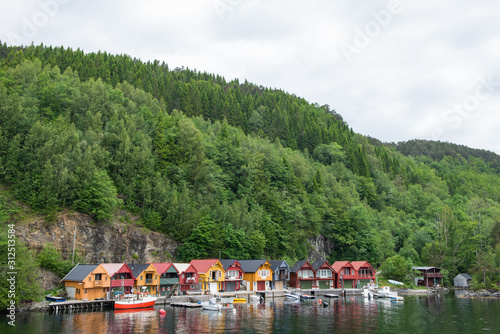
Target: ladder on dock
(171,292)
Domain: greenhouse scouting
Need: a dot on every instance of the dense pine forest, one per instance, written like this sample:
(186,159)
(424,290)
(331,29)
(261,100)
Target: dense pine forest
(236,168)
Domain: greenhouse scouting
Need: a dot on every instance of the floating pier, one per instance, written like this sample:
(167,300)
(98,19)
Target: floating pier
(81,305)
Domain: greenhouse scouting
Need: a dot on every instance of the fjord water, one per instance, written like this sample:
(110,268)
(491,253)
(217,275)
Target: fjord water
(417,314)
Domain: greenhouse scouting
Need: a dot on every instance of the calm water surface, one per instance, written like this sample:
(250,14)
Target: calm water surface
(417,314)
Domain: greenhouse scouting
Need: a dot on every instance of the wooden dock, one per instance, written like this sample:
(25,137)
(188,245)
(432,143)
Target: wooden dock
(81,305)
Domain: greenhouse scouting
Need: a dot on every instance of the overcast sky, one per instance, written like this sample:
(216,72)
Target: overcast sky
(395,70)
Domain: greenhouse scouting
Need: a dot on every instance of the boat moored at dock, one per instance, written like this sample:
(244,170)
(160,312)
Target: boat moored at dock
(135,302)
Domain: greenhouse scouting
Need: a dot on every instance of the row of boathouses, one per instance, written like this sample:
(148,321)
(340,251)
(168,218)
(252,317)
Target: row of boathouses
(106,280)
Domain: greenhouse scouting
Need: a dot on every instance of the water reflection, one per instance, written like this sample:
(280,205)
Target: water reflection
(133,321)
(417,314)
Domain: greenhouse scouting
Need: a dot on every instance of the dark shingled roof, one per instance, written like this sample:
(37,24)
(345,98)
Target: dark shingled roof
(138,268)
(317,264)
(296,267)
(275,264)
(251,266)
(226,263)
(79,272)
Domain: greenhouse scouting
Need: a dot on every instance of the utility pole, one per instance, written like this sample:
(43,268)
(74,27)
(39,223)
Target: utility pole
(74,241)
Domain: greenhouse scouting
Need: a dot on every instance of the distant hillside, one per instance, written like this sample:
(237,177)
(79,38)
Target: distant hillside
(438,150)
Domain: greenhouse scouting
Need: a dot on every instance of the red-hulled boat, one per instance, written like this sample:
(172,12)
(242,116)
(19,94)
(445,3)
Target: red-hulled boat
(134,302)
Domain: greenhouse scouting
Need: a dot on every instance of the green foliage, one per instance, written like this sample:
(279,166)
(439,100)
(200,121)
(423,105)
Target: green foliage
(397,267)
(233,168)
(98,197)
(50,258)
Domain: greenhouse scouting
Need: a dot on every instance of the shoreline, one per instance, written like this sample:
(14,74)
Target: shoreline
(43,306)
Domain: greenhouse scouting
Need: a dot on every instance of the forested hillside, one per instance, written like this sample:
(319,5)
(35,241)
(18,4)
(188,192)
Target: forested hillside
(235,168)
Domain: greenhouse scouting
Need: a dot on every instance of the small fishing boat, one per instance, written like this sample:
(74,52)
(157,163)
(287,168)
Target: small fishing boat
(306,297)
(239,300)
(139,300)
(331,295)
(51,298)
(396,298)
(292,295)
(385,292)
(395,282)
(211,307)
(214,305)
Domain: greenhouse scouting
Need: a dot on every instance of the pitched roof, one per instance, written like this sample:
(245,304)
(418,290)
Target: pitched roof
(318,264)
(79,272)
(424,268)
(359,264)
(202,266)
(181,267)
(138,268)
(275,264)
(112,268)
(226,263)
(340,264)
(161,267)
(251,266)
(299,264)
(464,275)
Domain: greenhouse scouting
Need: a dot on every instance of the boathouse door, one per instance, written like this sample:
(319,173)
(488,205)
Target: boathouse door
(306,284)
(230,286)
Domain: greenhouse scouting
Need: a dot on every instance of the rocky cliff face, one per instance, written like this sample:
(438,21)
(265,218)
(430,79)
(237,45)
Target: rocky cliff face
(118,242)
(322,248)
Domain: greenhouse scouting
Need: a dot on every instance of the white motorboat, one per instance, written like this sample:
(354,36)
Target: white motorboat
(211,307)
(226,300)
(293,295)
(385,292)
(256,298)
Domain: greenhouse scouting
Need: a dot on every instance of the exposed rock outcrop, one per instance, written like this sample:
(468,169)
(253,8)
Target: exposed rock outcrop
(117,242)
(322,248)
